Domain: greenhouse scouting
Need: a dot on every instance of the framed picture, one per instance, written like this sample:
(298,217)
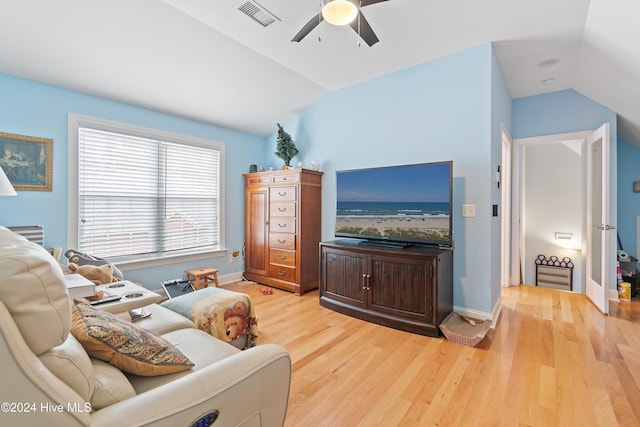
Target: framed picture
(26,160)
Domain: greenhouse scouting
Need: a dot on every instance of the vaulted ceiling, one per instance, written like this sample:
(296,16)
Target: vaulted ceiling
(208,60)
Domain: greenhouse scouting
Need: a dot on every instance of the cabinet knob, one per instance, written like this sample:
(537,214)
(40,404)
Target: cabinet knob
(281,194)
(281,241)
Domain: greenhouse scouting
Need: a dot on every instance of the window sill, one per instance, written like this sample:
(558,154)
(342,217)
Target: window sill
(156,261)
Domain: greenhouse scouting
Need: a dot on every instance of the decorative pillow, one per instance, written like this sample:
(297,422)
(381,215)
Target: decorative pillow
(130,348)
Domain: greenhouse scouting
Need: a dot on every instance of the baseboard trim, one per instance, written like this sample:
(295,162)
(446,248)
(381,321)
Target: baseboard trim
(613,295)
(497,309)
(475,314)
(230,278)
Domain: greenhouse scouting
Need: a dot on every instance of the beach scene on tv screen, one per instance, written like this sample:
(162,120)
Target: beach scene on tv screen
(407,203)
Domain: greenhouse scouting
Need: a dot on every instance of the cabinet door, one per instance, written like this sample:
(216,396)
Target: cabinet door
(256,231)
(402,287)
(343,277)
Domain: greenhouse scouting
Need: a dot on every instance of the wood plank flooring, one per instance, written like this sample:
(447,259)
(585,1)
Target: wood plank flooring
(553,360)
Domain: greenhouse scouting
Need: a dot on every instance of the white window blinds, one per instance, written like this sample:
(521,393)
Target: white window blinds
(141,196)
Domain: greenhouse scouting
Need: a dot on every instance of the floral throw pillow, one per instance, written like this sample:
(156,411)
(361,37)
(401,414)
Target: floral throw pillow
(119,342)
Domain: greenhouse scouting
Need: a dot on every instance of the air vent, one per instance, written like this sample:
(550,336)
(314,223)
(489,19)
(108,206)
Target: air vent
(258,13)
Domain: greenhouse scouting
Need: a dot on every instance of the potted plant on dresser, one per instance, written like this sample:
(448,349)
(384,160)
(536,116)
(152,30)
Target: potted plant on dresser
(285,149)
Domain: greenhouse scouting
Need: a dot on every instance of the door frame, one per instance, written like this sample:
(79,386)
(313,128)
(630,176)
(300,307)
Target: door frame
(504,179)
(517,161)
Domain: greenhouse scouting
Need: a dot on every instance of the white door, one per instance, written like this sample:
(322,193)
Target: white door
(598,227)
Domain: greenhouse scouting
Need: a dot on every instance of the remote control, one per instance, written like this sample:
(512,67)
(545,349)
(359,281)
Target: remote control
(105,300)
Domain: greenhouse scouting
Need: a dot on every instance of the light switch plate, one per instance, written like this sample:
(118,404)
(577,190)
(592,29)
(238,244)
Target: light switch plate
(468,211)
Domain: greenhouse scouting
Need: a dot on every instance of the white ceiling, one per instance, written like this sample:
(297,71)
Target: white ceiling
(205,60)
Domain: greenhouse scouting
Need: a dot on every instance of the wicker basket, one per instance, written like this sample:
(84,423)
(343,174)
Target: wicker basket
(458,330)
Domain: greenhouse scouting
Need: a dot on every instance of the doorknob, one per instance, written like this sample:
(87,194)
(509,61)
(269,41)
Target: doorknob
(604,227)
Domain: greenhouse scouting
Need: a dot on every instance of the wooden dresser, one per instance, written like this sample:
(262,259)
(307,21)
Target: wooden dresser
(282,228)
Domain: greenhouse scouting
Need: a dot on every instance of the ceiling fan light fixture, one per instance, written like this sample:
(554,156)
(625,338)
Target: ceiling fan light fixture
(339,12)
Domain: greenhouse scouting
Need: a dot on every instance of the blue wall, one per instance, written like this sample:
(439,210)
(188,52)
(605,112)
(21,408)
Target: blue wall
(437,111)
(628,201)
(560,112)
(34,109)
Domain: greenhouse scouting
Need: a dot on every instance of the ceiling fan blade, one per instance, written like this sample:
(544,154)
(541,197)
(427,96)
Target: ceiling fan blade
(366,32)
(313,22)
(364,3)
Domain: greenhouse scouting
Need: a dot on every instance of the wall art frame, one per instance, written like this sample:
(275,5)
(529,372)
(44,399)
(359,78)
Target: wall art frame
(27,161)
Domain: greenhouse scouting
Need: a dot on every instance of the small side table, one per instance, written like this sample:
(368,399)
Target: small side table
(202,277)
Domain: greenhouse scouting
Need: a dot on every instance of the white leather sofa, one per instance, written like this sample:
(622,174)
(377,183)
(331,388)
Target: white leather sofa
(47,378)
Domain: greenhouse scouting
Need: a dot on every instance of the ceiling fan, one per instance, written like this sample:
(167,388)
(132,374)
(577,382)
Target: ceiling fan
(343,12)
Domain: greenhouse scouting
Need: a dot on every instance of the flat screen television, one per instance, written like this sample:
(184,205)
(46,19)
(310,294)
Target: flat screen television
(396,205)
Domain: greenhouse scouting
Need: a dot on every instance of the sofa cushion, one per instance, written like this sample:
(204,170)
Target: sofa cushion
(201,348)
(111,386)
(71,363)
(33,288)
(123,344)
(163,320)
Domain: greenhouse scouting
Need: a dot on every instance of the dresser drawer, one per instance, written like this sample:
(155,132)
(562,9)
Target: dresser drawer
(282,241)
(256,179)
(282,225)
(281,257)
(291,177)
(282,194)
(283,209)
(282,273)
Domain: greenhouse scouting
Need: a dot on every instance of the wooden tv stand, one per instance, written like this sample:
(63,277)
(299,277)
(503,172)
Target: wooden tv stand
(410,289)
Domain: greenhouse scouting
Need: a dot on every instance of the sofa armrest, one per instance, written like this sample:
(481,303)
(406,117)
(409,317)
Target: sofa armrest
(252,383)
(26,380)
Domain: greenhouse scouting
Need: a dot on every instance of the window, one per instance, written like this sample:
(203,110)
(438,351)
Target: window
(142,194)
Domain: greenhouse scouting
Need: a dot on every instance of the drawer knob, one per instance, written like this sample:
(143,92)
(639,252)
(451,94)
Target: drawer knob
(282,225)
(282,257)
(281,194)
(281,241)
(281,273)
(282,209)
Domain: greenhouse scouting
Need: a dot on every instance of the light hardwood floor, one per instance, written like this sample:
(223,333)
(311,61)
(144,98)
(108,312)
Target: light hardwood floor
(553,360)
